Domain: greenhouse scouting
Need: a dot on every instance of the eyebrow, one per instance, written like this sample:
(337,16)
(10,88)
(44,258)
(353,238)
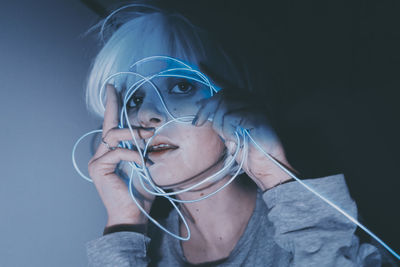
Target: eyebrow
(170,80)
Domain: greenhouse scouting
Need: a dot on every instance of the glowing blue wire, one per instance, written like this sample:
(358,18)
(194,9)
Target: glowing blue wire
(199,183)
(73,154)
(283,168)
(155,221)
(130,93)
(126,98)
(147,59)
(106,82)
(205,79)
(142,172)
(118,10)
(190,187)
(132,89)
(212,193)
(352,219)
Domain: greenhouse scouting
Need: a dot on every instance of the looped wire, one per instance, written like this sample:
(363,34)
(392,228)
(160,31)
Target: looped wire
(111,23)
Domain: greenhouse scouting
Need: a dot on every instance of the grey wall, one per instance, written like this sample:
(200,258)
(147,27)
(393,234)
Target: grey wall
(47,212)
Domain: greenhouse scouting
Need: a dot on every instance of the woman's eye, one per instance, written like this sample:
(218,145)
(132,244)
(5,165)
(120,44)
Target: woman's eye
(134,102)
(181,88)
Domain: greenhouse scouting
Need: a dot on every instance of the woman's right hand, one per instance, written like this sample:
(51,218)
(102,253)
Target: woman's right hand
(112,189)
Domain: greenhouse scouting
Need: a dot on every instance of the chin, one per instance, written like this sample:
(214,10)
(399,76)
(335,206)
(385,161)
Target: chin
(162,174)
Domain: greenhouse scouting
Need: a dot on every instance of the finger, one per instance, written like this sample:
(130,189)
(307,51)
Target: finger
(225,123)
(218,120)
(113,157)
(114,136)
(230,125)
(207,110)
(111,112)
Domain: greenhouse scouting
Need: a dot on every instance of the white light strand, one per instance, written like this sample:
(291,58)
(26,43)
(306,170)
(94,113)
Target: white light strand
(143,173)
(103,25)
(336,207)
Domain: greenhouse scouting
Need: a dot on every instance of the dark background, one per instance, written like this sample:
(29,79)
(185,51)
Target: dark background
(329,72)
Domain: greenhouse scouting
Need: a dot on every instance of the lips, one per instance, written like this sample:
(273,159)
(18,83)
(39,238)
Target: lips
(161,147)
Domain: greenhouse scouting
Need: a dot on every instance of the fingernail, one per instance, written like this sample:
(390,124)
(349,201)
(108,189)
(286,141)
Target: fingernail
(201,122)
(195,120)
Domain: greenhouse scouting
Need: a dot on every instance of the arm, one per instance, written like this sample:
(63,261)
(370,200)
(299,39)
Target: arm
(117,248)
(121,249)
(315,233)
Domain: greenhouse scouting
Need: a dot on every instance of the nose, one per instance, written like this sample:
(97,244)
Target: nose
(150,112)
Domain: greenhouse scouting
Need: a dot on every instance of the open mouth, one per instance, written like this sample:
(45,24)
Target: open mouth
(160,149)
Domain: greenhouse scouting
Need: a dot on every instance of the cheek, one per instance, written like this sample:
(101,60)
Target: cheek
(200,148)
(204,147)
(132,117)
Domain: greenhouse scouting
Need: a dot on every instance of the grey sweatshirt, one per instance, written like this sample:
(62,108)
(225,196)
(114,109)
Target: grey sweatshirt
(290,226)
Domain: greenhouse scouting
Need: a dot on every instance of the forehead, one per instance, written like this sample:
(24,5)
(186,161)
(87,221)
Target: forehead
(162,69)
(154,65)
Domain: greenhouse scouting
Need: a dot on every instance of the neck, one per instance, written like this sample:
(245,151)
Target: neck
(217,222)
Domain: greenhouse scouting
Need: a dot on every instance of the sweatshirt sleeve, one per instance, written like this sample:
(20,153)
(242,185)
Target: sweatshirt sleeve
(120,249)
(315,233)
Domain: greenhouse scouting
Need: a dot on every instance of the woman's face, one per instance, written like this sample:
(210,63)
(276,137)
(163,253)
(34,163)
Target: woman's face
(180,151)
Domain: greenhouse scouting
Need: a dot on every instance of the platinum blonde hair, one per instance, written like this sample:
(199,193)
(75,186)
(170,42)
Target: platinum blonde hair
(155,33)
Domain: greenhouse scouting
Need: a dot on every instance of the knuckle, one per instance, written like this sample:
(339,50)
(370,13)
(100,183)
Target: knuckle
(111,137)
(117,151)
(92,167)
(108,134)
(92,163)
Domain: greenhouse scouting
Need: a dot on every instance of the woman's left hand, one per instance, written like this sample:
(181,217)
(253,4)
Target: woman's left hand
(231,108)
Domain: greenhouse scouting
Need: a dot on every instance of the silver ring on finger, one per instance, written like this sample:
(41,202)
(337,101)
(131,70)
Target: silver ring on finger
(110,148)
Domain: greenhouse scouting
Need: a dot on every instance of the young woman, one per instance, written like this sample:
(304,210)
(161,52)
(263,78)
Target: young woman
(274,221)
